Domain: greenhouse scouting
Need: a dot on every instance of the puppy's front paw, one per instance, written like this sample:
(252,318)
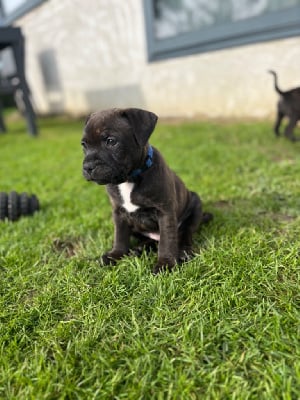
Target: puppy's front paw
(111,257)
(185,255)
(107,259)
(163,266)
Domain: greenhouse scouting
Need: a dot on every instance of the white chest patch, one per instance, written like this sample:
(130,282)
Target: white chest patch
(125,190)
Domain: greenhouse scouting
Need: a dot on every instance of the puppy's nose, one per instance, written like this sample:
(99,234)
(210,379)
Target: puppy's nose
(88,168)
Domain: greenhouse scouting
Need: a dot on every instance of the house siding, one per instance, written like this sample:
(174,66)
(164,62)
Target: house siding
(83,56)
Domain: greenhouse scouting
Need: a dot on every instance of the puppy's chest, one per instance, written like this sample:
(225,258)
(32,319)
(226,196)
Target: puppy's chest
(125,192)
(142,219)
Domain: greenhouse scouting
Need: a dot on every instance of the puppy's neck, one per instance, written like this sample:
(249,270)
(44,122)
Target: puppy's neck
(146,163)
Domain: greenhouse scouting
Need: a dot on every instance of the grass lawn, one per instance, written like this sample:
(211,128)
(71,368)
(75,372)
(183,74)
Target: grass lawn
(223,326)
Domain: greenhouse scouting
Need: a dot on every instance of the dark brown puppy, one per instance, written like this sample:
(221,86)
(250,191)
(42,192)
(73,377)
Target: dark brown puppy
(148,199)
(287,106)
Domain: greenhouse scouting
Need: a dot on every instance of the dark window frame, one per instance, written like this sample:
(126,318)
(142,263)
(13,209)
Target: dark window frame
(272,26)
(19,12)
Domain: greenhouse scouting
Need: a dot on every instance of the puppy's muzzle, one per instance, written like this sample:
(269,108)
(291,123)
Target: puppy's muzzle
(89,168)
(101,173)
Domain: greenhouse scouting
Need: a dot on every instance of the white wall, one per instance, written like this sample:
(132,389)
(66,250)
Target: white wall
(87,55)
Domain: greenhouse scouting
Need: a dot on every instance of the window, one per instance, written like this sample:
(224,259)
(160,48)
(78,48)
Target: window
(13,9)
(182,27)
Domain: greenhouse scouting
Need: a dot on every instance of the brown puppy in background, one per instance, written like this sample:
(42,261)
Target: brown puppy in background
(149,200)
(287,106)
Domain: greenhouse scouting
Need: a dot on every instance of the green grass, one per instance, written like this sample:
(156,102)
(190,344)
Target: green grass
(223,326)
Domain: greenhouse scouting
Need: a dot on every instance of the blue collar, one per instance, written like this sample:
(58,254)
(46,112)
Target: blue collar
(148,162)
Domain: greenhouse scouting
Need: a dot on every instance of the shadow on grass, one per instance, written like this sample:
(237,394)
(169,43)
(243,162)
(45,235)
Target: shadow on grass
(262,211)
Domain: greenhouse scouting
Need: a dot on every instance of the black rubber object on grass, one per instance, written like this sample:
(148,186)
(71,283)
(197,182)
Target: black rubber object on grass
(14,205)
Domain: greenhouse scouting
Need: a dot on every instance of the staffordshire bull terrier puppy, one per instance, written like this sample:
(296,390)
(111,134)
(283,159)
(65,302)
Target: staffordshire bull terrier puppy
(287,106)
(148,199)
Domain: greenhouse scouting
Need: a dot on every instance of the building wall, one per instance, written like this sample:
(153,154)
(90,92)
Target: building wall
(88,55)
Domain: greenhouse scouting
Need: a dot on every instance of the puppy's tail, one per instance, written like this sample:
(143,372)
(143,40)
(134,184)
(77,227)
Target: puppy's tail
(206,217)
(276,82)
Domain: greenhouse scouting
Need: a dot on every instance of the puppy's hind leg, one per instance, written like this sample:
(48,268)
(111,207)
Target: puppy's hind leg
(289,129)
(278,121)
(189,226)
(144,244)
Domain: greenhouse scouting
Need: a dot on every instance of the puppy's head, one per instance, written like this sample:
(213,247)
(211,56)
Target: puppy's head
(114,143)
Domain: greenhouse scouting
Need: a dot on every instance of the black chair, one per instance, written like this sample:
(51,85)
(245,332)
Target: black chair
(15,83)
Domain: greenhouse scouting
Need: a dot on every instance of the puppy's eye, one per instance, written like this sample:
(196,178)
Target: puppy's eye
(83,144)
(111,141)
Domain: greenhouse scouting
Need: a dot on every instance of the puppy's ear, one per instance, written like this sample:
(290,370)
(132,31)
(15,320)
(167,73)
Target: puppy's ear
(143,123)
(87,119)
